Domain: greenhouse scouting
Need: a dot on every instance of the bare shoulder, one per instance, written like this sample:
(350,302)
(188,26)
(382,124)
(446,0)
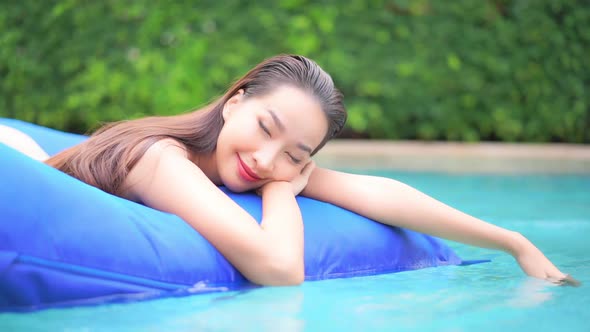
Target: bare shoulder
(166,146)
(162,152)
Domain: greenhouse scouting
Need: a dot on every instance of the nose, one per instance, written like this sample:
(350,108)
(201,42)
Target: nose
(264,159)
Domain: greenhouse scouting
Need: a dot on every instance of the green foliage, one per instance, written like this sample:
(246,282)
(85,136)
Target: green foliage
(434,70)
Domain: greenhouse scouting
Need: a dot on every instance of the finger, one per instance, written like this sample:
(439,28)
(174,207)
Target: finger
(568,280)
(308,168)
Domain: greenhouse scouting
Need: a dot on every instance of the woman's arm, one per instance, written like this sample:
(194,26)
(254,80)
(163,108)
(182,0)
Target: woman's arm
(165,179)
(394,203)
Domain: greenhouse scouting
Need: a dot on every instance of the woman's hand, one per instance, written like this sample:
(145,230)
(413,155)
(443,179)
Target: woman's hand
(535,264)
(300,181)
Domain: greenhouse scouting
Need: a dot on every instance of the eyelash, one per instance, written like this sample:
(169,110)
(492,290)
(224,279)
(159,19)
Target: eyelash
(263,127)
(295,160)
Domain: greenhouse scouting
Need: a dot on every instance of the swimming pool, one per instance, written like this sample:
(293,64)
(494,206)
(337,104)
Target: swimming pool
(553,211)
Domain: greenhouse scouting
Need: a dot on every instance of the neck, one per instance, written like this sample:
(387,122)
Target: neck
(208,165)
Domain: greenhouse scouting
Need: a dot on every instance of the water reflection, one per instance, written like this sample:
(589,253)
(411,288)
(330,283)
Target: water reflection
(260,309)
(531,293)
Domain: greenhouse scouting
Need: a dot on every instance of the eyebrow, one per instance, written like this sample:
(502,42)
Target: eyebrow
(281,126)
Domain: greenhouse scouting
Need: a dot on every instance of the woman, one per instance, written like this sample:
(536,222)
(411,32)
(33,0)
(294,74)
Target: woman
(261,136)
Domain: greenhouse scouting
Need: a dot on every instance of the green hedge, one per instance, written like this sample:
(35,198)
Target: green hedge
(421,69)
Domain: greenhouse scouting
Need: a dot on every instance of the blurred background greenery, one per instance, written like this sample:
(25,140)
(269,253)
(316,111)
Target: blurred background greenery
(496,70)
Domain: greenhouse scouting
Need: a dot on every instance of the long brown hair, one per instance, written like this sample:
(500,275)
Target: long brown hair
(105,159)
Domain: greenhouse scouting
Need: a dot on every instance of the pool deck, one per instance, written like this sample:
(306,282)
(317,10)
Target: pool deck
(451,157)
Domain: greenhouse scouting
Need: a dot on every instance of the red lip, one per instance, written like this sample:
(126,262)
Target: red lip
(245,172)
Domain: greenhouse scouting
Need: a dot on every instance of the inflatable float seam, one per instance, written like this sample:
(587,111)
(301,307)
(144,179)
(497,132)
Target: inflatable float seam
(112,298)
(124,297)
(76,268)
(368,272)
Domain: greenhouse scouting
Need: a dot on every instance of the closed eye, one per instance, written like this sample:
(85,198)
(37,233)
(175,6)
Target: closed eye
(263,127)
(293,159)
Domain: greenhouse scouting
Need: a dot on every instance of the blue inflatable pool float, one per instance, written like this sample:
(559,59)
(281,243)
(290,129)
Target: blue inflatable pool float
(64,243)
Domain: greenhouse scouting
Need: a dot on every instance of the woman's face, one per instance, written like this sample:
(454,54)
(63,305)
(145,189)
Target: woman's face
(268,138)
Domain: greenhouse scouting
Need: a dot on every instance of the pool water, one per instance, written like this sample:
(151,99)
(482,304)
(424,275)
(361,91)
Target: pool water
(552,211)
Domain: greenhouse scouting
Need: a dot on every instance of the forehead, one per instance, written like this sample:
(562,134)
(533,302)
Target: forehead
(299,111)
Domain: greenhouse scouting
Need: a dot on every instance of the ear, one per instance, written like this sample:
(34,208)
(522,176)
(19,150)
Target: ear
(231,103)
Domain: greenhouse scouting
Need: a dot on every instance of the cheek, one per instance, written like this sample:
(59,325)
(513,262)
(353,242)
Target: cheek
(232,136)
(242,130)
(286,171)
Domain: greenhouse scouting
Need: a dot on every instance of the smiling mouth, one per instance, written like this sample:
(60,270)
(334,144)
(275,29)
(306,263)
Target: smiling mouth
(245,172)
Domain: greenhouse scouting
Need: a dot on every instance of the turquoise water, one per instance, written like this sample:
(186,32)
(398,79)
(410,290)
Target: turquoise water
(552,211)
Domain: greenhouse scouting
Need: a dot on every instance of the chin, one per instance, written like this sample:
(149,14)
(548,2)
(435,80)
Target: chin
(236,190)
(235,187)
(235,184)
